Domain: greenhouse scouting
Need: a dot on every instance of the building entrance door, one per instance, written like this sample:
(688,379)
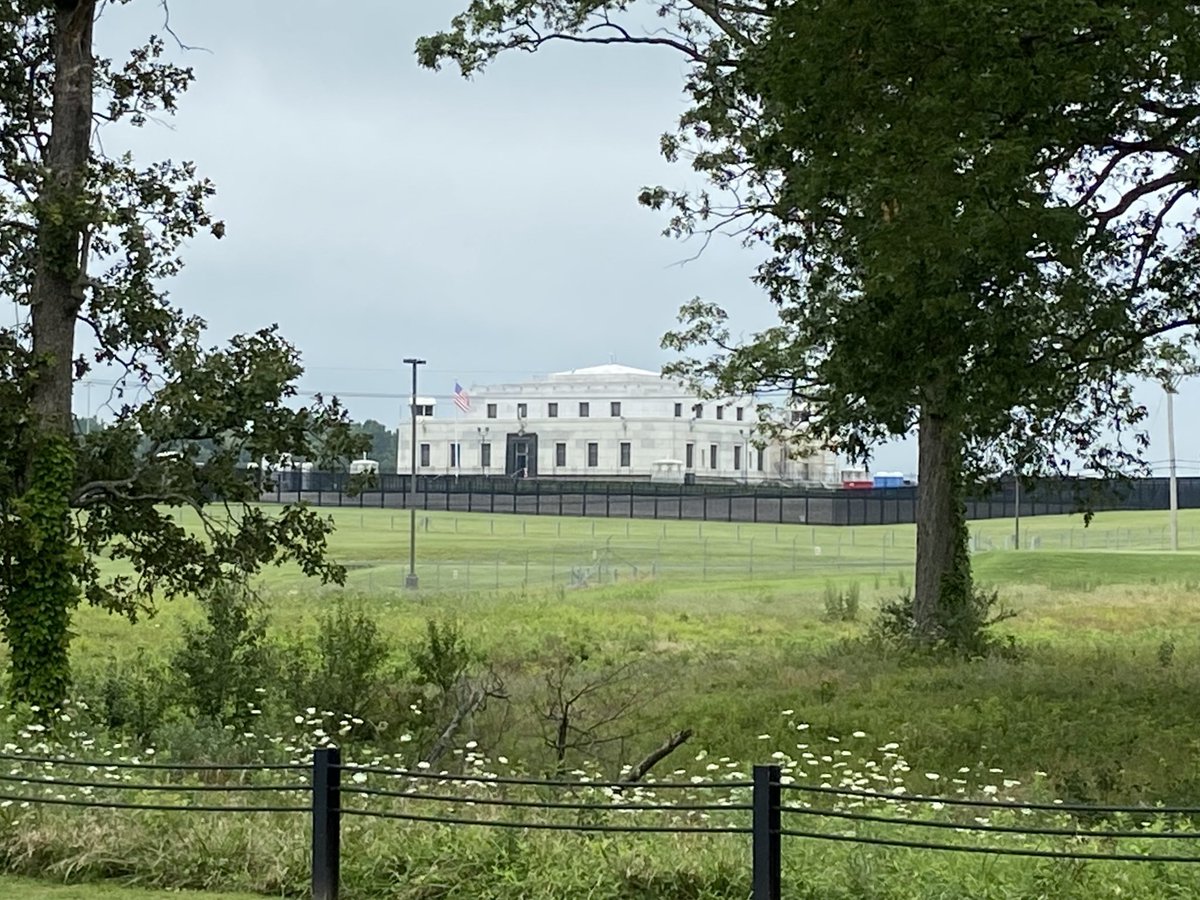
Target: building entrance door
(522,455)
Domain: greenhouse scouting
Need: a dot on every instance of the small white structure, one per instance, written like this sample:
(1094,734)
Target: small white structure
(608,421)
(364,466)
(668,471)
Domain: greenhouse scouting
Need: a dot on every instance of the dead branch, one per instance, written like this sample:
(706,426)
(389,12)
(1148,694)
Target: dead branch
(673,743)
(474,700)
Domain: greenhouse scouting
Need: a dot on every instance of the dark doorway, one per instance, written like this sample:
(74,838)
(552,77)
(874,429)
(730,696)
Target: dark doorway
(521,455)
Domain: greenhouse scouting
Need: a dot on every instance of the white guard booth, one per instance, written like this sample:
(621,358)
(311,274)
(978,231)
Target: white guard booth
(667,471)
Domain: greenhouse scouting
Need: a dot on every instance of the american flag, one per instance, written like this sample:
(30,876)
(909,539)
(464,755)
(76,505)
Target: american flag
(461,398)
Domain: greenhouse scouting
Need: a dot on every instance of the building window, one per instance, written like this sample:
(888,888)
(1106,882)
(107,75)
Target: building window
(679,410)
(720,412)
(712,456)
(522,410)
(614,408)
(737,457)
(551,410)
(485,455)
(689,456)
(740,413)
(698,411)
(423,410)
(584,411)
(560,454)
(424,454)
(491,410)
(593,454)
(625,454)
(455,455)
(762,459)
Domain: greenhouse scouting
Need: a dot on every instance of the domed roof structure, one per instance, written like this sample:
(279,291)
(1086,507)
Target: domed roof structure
(608,370)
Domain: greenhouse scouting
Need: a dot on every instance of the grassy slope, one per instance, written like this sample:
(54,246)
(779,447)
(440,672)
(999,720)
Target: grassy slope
(1111,635)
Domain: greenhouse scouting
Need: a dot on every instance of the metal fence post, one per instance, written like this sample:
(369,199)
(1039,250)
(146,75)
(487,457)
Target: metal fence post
(766,825)
(326,822)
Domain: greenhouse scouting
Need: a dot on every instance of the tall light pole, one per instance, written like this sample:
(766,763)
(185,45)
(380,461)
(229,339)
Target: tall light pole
(1017,510)
(1171,385)
(411,582)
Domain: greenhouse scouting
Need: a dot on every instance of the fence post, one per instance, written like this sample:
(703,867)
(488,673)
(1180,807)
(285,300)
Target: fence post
(326,822)
(767,858)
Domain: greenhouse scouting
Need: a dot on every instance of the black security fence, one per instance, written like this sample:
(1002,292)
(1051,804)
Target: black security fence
(767,811)
(714,502)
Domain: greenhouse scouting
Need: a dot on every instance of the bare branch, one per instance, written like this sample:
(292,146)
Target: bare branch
(166,8)
(712,9)
(625,38)
(674,742)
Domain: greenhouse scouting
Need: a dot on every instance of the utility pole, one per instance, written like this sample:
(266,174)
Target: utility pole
(1171,386)
(411,582)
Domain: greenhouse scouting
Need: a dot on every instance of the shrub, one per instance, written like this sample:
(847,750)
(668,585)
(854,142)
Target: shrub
(963,631)
(444,657)
(224,660)
(343,669)
(133,698)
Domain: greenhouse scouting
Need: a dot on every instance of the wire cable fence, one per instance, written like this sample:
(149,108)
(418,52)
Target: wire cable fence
(767,810)
(24,788)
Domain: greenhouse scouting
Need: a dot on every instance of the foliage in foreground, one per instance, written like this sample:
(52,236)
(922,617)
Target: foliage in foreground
(91,238)
(269,853)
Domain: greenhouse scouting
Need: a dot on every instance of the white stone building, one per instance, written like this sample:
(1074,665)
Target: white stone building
(603,422)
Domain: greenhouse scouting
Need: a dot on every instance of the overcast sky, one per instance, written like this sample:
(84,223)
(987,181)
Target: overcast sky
(376,210)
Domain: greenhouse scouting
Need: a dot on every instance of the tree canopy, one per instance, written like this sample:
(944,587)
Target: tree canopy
(90,240)
(979,217)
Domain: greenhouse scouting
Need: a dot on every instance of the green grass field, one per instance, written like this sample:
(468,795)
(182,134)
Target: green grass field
(464,555)
(729,623)
(735,618)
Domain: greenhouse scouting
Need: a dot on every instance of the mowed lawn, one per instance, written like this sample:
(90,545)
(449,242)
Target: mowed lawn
(512,571)
(28,889)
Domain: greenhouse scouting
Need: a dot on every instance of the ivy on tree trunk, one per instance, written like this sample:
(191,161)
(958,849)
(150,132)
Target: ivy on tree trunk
(943,585)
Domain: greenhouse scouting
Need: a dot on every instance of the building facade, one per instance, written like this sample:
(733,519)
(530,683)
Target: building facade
(603,422)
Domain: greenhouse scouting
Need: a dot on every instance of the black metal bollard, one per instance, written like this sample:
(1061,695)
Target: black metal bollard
(766,837)
(326,822)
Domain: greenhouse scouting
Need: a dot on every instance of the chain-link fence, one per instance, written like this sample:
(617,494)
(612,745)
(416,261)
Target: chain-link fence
(482,552)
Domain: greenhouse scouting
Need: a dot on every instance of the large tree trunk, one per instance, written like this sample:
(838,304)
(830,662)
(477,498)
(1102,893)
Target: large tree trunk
(60,278)
(37,609)
(943,579)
